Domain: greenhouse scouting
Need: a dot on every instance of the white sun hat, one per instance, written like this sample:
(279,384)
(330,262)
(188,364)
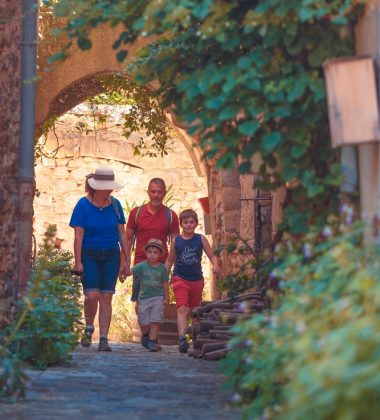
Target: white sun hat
(103,179)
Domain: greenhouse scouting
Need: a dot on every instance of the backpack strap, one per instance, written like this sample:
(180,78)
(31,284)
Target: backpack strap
(138,212)
(115,207)
(169,217)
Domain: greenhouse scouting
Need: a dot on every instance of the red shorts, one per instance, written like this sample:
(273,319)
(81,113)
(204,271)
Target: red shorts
(187,293)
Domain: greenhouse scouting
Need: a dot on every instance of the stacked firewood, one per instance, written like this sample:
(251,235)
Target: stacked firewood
(215,319)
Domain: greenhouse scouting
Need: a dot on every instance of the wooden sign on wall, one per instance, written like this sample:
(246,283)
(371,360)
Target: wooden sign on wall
(352,101)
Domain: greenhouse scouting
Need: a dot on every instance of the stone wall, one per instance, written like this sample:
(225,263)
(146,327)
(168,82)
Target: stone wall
(10,77)
(60,180)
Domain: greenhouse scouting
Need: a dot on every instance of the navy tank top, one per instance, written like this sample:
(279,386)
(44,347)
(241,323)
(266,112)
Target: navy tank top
(188,262)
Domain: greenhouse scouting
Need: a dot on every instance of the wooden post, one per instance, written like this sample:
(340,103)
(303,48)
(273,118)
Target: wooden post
(368,42)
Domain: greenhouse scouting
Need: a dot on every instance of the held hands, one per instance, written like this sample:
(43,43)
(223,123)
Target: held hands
(125,271)
(216,270)
(78,268)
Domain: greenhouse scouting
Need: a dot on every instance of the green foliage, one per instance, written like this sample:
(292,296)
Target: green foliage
(252,273)
(316,355)
(12,377)
(143,114)
(50,330)
(246,77)
(122,307)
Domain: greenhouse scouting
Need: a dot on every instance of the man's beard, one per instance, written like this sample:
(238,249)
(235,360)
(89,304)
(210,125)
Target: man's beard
(156,203)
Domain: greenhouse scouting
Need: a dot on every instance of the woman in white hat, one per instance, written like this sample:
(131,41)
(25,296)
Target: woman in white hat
(98,221)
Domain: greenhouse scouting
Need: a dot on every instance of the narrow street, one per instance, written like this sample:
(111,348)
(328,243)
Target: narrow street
(129,383)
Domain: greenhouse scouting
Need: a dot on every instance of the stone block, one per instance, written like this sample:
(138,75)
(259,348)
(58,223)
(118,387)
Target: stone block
(64,186)
(44,182)
(230,198)
(61,171)
(230,178)
(48,163)
(69,147)
(232,221)
(88,146)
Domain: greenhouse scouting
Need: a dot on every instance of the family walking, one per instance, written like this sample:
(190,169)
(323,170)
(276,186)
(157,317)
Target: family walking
(102,253)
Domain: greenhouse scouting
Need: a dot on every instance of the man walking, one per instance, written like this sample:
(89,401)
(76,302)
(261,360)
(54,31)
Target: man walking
(152,220)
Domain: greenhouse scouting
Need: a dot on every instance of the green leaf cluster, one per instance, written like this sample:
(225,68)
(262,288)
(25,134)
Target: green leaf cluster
(317,353)
(51,326)
(12,377)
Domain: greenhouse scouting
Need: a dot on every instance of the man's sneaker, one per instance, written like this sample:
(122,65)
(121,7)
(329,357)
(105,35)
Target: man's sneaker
(103,345)
(183,345)
(145,340)
(86,337)
(152,345)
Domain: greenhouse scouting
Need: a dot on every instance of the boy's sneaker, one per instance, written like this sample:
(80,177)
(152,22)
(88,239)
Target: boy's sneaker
(103,345)
(183,345)
(86,339)
(145,340)
(152,345)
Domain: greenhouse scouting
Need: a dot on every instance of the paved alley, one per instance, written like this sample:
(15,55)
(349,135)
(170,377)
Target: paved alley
(129,383)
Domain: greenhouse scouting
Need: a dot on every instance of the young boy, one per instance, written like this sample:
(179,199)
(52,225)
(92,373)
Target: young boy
(187,279)
(154,293)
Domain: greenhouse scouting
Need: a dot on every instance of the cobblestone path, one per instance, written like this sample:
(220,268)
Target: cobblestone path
(129,383)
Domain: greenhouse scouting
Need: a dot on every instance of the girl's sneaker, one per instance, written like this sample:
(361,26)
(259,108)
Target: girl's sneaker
(183,345)
(86,339)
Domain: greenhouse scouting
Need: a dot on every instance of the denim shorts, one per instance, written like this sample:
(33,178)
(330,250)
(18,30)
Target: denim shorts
(100,269)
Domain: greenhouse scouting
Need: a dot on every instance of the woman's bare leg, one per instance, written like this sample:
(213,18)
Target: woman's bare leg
(91,300)
(105,313)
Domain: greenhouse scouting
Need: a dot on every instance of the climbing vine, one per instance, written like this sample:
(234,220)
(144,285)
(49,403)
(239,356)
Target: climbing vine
(141,114)
(246,78)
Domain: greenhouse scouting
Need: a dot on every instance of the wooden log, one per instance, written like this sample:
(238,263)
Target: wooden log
(209,347)
(214,314)
(248,296)
(205,303)
(217,304)
(231,317)
(221,328)
(199,342)
(215,355)
(208,324)
(221,336)
(217,331)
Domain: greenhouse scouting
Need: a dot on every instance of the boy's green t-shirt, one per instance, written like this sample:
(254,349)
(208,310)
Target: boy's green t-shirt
(151,279)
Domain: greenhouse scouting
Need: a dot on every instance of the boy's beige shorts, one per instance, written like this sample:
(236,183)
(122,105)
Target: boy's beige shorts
(151,310)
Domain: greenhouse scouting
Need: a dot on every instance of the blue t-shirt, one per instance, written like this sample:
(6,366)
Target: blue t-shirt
(101,226)
(188,259)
